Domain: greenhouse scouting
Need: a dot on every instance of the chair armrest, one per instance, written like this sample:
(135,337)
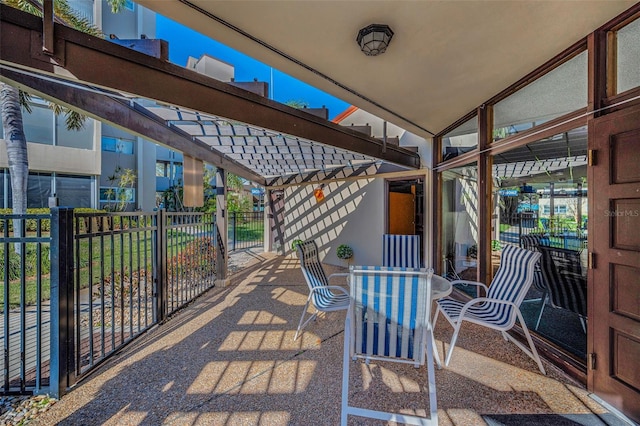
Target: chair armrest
(330,287)
(472,302)
(467,282)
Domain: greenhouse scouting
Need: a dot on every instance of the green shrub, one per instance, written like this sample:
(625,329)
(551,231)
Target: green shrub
(295,244)
(32,224)
(344,252)
(31,258)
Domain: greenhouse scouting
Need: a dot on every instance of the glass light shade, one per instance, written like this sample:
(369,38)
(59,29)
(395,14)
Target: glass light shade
(374,39)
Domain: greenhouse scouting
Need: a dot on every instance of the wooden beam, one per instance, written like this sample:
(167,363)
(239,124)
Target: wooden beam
(98,62)
(134,119)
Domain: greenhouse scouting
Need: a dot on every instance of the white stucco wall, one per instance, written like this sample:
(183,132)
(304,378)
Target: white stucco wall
(59,159)
(352,213)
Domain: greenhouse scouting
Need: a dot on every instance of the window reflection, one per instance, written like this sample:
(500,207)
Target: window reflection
(463,138)
(540,203)
(460,222)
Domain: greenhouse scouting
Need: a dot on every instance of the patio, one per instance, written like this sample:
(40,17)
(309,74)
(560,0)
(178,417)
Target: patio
(230,358)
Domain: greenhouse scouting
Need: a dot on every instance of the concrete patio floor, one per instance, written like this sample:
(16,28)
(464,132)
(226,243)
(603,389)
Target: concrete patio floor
(230,359)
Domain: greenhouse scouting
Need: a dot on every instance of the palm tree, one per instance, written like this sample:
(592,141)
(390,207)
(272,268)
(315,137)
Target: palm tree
(12,99)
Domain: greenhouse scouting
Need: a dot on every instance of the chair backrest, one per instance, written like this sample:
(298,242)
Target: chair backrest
(390,310)
(310,264)
(514,276)
(562,274)
(401,251)
(532,242)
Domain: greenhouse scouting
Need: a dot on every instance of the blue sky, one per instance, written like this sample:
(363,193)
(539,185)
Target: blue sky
(184,42)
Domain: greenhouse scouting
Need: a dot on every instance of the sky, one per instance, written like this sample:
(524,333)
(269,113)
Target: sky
(185,42)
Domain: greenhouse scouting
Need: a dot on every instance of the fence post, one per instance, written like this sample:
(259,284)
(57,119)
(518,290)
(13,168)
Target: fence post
(62,344)
(160,281)
(235,234)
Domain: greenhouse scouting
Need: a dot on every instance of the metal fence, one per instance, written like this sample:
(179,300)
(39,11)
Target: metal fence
(24,274)
(76,288)
(246,230)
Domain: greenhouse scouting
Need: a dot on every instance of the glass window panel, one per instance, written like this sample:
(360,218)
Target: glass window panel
(161,169)
(4,183)
(556,93)
(463,138)
(460,222)
(82,138)
(74,191)
(540,199)
(628,57)
(120,146)
(83,8)
(38,190)
(38,126)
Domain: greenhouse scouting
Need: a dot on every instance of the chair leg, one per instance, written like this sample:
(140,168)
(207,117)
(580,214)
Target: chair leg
(300,324)
(346,362)
(431,379)
(584,324)
(532,352)
(543,304)
(453,342)
(436,355)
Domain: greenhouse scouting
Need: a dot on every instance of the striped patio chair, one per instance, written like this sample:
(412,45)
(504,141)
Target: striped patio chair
(501,307)
(562,272)
(324,297)
(388,320)
(401,251)
(532,242)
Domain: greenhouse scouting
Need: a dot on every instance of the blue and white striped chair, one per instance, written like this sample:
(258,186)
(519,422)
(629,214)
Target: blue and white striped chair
(388,320)
(401,251)
(501,307)
(325,297)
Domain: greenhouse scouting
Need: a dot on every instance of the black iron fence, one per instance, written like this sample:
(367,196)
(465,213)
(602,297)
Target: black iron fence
(25,279)
(246,230)
(76,288)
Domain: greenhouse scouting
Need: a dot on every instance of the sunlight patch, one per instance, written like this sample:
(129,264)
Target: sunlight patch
(260,317)
(276,340)
(254,377)
(248,418)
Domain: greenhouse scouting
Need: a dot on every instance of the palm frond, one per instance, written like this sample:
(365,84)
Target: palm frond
(25,99)
(74,120)
(24,5)
(116,5)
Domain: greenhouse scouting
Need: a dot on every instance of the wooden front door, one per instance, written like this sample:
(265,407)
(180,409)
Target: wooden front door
(402,213)
(614,280)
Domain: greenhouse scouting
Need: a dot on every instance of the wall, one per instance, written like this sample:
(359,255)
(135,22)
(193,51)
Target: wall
(352,213)
(58,159)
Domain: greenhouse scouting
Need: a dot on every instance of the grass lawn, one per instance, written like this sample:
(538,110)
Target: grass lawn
(98,258)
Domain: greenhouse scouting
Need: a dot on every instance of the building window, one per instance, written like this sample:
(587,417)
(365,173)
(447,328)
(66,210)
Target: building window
(628,57)
(463,138)
(117,145)
(74,191)
(555,172)
(82,139)
(116,195)
(38,125)
(38,190)
(4,188)
(162,169)
(459,227)
(129,5)
(559,92)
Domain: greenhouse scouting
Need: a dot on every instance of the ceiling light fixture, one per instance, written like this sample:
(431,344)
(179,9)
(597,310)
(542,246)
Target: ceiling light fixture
(374,39)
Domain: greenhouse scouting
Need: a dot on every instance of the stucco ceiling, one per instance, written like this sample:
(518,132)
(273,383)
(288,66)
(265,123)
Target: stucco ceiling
(445,59)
